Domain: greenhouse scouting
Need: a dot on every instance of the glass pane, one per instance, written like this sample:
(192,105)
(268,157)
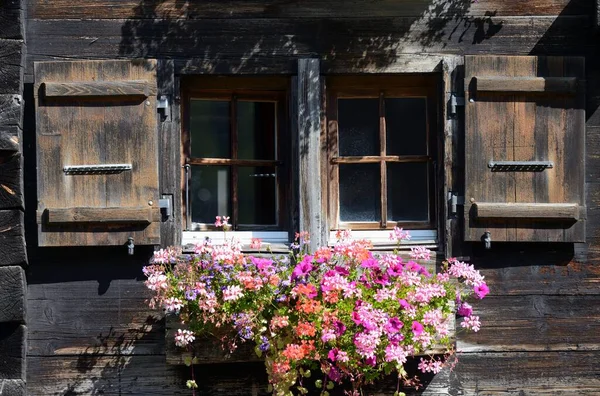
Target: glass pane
(256,130)
(408,192)
(358,123)
(210,129)
(210,193)
(257,195)
(360,192)
(406,126)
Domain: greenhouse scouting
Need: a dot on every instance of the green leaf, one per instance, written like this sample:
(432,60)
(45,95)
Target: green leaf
(319,384)
(187,360)
(330,385)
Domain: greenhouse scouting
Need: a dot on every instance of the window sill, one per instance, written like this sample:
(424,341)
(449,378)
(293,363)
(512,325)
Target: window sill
(274,241)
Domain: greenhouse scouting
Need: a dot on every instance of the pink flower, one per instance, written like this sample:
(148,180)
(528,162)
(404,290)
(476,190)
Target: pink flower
(221,221)
(399,235)
(471,323)
(255,243)
(481,290)
(232,293)
(465,309)
(184,338)
(417,327)
(420,253)
(393,325)
(303,268)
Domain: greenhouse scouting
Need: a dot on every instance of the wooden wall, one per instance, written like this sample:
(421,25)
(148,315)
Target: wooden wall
(90,332)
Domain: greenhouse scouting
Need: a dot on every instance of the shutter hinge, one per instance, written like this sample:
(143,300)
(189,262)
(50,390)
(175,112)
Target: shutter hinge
(456,101)
(162,106)
(453,201)
(166,205)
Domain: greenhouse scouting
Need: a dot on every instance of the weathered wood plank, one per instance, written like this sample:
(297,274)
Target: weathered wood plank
(10,66)
(529,211)
(12,294)
(535,323)
(176,9)
(252,47)
(13,387)
(91,373)
(526,84)
(310,196)
(535,373)
(11,110)
(11,21)
(11,181)
(12,238)
(101,215)
(13,349)
(10,139)
(99,88)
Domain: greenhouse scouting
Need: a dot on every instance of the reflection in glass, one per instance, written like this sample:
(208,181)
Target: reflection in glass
(406,126)
(209,193)
(210,128)
(360,192)
(256,123)
(257,195)
(408,192)
(358,124)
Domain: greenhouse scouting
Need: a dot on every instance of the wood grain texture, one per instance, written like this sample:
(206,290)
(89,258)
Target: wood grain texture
(10,139)
(527,210)
(526,84)
(102,131)
(11,19)
(12,294)
(310,197)
(519,128)
(11,181)
(251,47)
(144,215)
(10,66)
(14,388)
(177,9)
(12,238)
(11,110)
(99,88)
(13,349)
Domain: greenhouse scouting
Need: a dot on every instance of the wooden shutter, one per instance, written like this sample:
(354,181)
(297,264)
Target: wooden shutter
(524,147)
(97,156)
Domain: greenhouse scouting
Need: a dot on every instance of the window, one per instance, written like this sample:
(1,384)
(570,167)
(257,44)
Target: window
(382,150)
(234,150)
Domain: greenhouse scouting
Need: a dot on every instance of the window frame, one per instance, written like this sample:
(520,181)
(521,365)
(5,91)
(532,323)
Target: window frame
(234,89)
(380,86)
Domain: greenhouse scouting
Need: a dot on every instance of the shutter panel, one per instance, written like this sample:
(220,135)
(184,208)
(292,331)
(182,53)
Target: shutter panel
(97,153)
(524,147)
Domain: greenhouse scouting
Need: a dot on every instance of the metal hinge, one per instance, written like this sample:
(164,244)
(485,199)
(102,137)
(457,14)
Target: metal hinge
(455,101)
(163,107)
(453,201)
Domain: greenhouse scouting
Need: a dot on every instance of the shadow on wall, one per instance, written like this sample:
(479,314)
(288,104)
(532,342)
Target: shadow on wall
(250,37)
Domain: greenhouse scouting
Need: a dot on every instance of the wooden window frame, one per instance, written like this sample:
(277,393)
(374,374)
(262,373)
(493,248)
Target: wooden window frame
(406,85)
(236,89)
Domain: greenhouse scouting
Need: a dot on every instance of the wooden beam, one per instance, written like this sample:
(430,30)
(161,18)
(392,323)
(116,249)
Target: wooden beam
(100,215)
(565,211)
(367,159)
(99,88)
(307,93)
(526,84)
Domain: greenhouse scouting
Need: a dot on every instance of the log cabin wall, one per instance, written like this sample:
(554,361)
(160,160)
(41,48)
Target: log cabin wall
(90,331)
(13,258)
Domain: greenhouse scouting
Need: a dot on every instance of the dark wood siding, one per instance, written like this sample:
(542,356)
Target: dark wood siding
(94,333)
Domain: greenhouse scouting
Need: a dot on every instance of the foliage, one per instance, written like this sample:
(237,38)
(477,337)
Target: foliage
(352,315)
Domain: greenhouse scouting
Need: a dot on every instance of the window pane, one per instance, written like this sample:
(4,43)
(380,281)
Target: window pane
(210,128)
(406,126)
(257,195)
(408,192)
(360,192)
(256,130)
(210,193)
(358,123)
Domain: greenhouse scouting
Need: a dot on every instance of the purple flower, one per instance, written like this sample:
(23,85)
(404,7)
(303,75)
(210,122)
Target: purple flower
(332,355)
(371,361)
(356,318)
(334,374)
(481,290)
(264,346)
(395,269)
(303,268)
(404,304)
(393,325)
(370,263)
(342,271)
(464,309)
(339,328)
(397,338)
(417,328)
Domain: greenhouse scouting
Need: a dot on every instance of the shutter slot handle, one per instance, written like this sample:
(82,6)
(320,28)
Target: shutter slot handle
(100,169)
(520,166)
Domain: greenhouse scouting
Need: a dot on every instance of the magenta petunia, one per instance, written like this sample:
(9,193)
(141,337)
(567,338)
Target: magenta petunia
(393,325)
(339,328)
(481,290)
(371,361)
(303,268)
(417,328)
(404,304)
(464,309)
